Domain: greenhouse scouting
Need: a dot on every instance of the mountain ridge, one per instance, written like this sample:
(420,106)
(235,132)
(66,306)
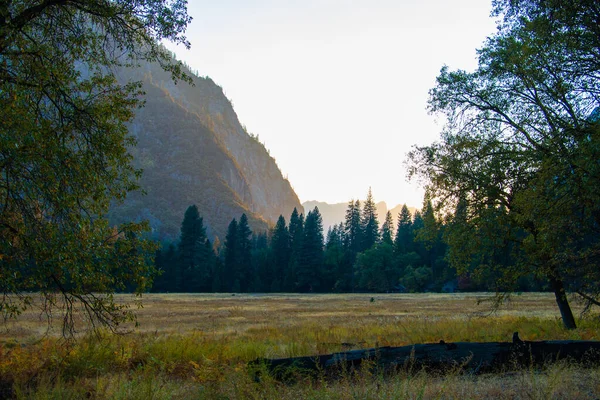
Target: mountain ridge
(193,150)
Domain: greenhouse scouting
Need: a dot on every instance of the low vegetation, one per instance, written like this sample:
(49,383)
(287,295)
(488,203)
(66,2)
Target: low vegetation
(198,346)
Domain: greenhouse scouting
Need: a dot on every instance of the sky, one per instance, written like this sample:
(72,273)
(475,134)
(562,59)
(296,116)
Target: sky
(337,89)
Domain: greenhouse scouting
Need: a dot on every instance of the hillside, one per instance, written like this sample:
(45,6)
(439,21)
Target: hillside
(193,150)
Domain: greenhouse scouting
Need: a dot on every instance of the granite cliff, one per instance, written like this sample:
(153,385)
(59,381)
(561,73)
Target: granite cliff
(193,150)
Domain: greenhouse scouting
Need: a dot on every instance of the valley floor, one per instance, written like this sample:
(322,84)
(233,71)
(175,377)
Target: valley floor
(198,346)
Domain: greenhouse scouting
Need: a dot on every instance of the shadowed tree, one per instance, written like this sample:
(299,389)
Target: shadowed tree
(280,246)
(194,255)
(310,261)
(369,223)
(63,149)
(231,258)
(387,229)
(521,145)
(296,231)
(403,242)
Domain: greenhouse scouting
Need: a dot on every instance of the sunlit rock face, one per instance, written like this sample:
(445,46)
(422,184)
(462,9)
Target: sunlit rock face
(193,150)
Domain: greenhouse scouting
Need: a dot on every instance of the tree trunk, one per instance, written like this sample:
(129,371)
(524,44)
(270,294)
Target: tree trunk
(563,303)
(473,358)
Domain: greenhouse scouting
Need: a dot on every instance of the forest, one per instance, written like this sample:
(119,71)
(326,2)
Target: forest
(359,254)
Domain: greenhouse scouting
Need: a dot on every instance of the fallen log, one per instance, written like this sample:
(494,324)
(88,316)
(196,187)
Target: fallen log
(469,357)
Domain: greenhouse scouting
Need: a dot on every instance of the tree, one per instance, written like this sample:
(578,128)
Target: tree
(336,271)
(296,230)
(521,145)
(387,229)
(63,149)
(310,261)
(243,269)
(280,246)
(231,258)
(403,242)
(352,228)
(195,253)
(369,223)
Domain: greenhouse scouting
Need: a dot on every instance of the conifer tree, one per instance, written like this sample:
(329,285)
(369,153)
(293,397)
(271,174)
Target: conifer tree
(334,267)
(193,255)
(231,255)
(281,249)
(369,223)
(387,229)
(243,269)
(310,261)
(296,231)
(403,242)
(352,228)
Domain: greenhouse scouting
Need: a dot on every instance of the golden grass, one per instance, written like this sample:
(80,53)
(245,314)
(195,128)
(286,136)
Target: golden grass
(197,346)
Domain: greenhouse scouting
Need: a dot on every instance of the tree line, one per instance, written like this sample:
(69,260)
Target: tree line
(358,254)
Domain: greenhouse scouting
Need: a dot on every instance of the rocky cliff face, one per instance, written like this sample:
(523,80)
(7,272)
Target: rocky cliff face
(193,150)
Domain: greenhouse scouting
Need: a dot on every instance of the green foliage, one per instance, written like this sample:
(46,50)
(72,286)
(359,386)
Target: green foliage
(353,234)
(310,260)
(63,148)
(369,223)
(196,257)
(281,248)
(404,233)
(520,150)
(387,229)
(376,269)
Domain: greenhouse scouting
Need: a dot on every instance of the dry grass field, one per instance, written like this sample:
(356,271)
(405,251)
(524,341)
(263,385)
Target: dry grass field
(198,346)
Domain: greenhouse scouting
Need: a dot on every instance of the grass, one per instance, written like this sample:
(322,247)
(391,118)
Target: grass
(197,346)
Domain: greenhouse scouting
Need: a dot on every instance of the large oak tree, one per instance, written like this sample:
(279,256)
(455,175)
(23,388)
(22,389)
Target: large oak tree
(521,147)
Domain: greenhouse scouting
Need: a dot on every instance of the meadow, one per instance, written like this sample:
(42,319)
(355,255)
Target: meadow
(198,346)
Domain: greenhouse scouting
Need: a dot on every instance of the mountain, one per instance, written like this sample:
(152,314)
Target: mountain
(193,150)
(335,213)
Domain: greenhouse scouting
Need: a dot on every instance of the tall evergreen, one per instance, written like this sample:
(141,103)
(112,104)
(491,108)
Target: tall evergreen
(296,231)
(352,228)
(310,260)
(403,242)
(369,223)
(231,255)
(243,269)
(280,247)
(335,269)
(194,257)
(261,273)
(387,229)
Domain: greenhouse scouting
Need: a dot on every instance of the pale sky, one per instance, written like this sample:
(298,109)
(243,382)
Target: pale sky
(336,89)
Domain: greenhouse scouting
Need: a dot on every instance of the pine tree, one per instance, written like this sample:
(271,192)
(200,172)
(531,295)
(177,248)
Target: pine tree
(261,274)
(387,228)
(194,258)
(334,269)
(296,231)
(310,261)
(369,223)
(352,228)
(243,269)
(403,243)
(231,252)
(280,247)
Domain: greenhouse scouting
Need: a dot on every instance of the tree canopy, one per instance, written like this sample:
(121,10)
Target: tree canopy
(520,149)
(63,148)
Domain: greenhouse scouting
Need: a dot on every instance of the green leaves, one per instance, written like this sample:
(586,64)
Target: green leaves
(518,151)
(64,146)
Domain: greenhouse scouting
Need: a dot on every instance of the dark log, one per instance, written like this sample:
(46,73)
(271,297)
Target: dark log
(467,357)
